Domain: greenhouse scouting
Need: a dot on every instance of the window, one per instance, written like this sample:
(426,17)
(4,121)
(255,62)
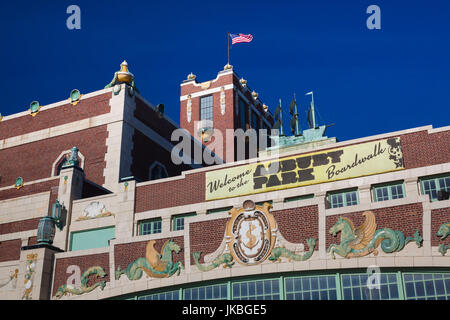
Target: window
(427,286)
(90,239)
(394,285)
(150,226)
(298,198)
(170,295)
(343,198)
(354,287)
(242,108)
(257,290)
(211,292)
(158,171)
(431,185)
(261,203)
(255,121)
(218,210)
(311,288)
(206,108)
(388,191)
(178,221)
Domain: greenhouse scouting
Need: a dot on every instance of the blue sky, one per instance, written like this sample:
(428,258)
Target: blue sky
(365,81)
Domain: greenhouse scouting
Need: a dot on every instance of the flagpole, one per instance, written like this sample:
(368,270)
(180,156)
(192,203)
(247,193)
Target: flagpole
(281,120)
(296,120)
(228,43)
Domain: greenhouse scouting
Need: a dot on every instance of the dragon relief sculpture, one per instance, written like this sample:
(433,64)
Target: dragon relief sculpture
(225,259)
(154,264)
(359,242)
(443,232)
(279,252)
(96,270)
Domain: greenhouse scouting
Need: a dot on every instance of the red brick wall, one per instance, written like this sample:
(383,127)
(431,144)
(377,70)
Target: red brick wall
(19,226)
(33,161)
(298,224)
(206,236)
(145,152)
(192,188)
(406,218)
(126,253)
(29,189)
(438,217)
(10,250)
(84,262)
(435,146)
(221,122)
(151,119)
(32,241)
(171,193)
(56,116)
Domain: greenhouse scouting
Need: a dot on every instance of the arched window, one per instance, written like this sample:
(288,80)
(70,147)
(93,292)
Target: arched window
(157,171)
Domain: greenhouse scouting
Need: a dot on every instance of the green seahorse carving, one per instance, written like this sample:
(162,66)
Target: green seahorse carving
(443,232)
(98,271)
(364,240)
(154,264)
(279,252)
(226,259)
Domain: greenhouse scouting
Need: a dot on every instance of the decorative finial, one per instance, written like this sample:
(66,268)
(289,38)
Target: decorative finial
(266,108)
(243,82)
(228,67)
(122,76)
(255,95)
(191,76)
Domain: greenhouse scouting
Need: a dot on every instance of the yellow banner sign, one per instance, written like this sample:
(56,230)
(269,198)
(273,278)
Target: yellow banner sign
(306,169)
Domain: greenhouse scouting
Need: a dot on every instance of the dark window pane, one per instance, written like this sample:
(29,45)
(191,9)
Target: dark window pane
(420,290)
(356,294)
(410,292)
(289,283)
(332,294)
(393,291)
(306,284)
(314,283)
(408,277)
(323,282)
(439,286)
(323,295)
(429,288)
(307,296)
(275,285)
(315,295)
(348,294)
(346,281)
(355,280)
(331,282)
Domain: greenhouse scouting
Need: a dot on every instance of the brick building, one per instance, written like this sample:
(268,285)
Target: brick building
(117,219)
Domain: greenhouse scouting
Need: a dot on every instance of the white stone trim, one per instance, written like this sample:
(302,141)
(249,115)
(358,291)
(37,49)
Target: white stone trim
(28,183)
(76,253)
(206,92)
(199,84)
(18,235)
(59,130)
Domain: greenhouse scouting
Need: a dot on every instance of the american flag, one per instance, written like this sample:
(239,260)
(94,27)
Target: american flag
(236,38)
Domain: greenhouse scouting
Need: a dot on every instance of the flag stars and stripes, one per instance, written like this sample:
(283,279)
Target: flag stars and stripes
(237,38)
